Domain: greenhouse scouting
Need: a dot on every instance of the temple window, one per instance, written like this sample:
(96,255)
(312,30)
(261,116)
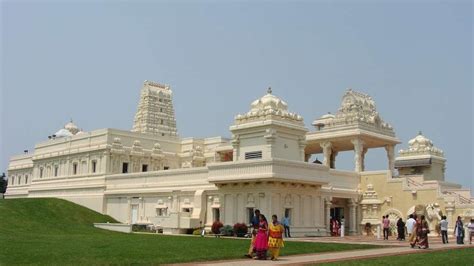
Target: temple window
(74,168)
(26,179)
(19,180)
(94,166)
(56,168)
(13,180)
(166,167)
(41,172)
(145,168)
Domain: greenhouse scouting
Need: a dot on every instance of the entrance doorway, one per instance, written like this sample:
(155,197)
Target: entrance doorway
(337,213)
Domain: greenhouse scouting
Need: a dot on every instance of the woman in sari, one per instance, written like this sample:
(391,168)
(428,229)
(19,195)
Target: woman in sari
(423,234)
(261,241)
(459,231)
(275,237)
(416,231)
(335,227)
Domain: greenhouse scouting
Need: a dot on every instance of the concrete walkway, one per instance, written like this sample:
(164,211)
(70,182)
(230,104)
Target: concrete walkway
(401,249)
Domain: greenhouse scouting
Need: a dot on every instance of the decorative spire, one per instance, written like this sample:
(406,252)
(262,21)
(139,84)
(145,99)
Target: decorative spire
(269,90)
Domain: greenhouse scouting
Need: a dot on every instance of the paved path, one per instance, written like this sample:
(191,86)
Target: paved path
(397,248)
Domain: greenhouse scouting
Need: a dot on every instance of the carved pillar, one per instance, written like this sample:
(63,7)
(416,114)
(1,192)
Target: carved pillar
(302,145)
(449,213)
(235,147)
(129,210)
(328,214)
(364,151)
(270,137)
(353,217)
(358,154)
(327,150)
(391,157)
(333,159)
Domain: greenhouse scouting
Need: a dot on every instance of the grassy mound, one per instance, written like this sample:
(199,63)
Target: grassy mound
(47,216)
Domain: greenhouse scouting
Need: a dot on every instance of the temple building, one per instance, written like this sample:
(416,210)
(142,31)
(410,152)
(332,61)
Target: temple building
(150,175)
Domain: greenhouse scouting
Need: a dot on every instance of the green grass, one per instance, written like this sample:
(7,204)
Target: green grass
(54,231)
(458,257)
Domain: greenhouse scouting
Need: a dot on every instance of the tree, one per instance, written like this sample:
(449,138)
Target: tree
(3,184)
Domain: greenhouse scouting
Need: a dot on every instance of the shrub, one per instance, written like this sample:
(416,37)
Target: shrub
(197,232)
(216,226)
(240,229)
(227,230)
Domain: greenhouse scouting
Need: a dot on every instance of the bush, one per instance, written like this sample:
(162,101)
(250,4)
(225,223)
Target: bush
(227,230)
(240,229)
(216,227)
(197,232)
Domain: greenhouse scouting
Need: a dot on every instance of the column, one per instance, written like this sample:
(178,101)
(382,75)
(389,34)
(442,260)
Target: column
(353,217)
(328,214)
(449,213)
(129,210)
(364,151)
(358,154)
(333,159)
(391,157)
(327,150)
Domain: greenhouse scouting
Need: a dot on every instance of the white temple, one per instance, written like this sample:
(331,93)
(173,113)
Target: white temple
(150,175)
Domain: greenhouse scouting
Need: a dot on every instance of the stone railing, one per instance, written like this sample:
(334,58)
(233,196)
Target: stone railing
(268,170)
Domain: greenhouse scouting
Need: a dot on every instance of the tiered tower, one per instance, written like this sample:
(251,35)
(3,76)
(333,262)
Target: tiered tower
(155,113)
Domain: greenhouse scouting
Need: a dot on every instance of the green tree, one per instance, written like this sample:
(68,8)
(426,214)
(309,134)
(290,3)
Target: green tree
(3,183)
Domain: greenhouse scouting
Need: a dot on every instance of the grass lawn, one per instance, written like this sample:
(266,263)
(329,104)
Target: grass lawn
(54,231)
(457,257)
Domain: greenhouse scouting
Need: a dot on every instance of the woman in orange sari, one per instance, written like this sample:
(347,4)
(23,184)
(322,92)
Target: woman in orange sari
(275,237)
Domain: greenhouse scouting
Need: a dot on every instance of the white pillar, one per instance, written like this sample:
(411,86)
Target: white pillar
(352,216)
(327,149)
(328,214)
(358,154)
(391,157)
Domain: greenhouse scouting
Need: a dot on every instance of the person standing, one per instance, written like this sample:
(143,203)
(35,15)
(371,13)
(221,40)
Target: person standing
(459,231)
(275,237)
(286,225)
(443,224)
(386,226)
(423,234)
(401,229)
(410,227)
(416,232)
(254,223)
(261,240)
(470,228)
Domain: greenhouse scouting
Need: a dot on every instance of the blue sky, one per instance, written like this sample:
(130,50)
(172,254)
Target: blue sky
(87,61)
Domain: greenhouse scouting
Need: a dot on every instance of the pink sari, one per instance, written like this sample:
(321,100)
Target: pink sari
(261,241)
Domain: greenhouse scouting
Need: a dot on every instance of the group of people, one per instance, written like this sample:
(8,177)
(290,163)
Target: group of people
(418,230)
(267,236)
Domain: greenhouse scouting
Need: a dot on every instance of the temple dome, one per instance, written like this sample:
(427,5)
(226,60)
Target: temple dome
(269,106)
(420,141)
(420,145)
(72,127)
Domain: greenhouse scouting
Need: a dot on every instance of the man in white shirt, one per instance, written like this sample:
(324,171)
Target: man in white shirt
(410,226)
(470,228)
(444,229)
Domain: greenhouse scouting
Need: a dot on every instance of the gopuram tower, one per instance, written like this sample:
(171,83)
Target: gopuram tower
(155,113)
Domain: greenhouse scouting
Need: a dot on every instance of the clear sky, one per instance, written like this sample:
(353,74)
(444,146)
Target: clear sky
(87,61)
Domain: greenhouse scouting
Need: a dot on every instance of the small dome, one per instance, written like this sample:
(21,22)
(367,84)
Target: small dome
(327,116)
(72,127)
(62,133)
(269,102)
(420,141)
